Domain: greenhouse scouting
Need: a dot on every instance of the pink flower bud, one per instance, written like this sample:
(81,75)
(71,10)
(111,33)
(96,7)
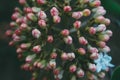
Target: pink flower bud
(50,39)
(92,30)
(86,12)
(39,65)
(28,10)
(99,19)
(71,56)
(53,55)
(101,75)
(77,24)
(68,40)
(96,3)
(29,58)
(106,49)
(42,15)
(107,21)
(67,8)
(77,15)
(23,26)
(52,64)
(15,15)
(22,2)
(101,44)
(12,24)
(82,51)
(36,33)
(104,37)
(80,73)
(82,41)
(56,19)
(16,38)
(25,45)
(94,56)
(101,28)
(92,49)
(65,32)
(41,2)
(54,11)
(9,33)
(17,32)
(64,56)
(109,32)
(36,49)
(56,71)
(72,68)
(19,50)
(11,43)
(31,16)
(92,67)
(42,23)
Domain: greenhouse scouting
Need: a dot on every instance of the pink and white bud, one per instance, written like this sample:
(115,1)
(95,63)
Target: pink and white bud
(17,32)
(39,65)
(25,45)
(9,33)
(109,32)
(67,8)
(42,15)
(92,67)
(23,26)
(68,40)
(92,30)
(29,58)
(107,21)
(82,51)
(56,71)
(86,12)
(77,15)
(106,49)
(77,24)
(41,2)
(17,38)
(71,56)
(92,49)
(72,68)
(80,73)
(101,75)
(11,43)
(101,28)
(53,55)
(50,39)
(15,15)
(52,64)
(36,33)
(19,50)
(36,49)
(94,56)
(42,23)
(104,37)
(31,16)
(65,32)
(56,19)
(28,10)
(96,3)
(13,24)
(64,56)
(99,19)
(22,2)
(54,11)
(82,41)
(101,44)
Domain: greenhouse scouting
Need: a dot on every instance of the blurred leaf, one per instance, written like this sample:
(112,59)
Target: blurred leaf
(116,74)
(112,6)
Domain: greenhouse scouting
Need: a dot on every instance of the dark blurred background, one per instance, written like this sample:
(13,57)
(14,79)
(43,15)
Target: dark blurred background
(10,65)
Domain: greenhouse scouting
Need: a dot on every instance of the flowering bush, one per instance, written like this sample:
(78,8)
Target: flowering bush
(62,39)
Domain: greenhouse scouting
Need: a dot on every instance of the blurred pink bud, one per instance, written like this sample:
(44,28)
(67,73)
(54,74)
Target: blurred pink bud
(64,56)
(52,64)
(93,49)
(92,30)
(101,44)
(11,43)
(107,21)
(36,33)
(31,16)
(96,3)
(71,56)
(101,75)
(109,32)
(56,71)
(50,38)
(86,12)
(15,15)
(42,15)
(65,32)
(9,33)
(92,67)
(80,73)
(56,19)
(77,24)
(54,11)
(68,40)
(101,28)
(16,38)
(41,2)
(12,24)
(82,41)
(23,26)
(53,55)
(25,45)
(99,19)
(82,51)
(29,58)
(19,50)
(94,56)
(22,2)
(67,8)
(36,49)
(42,23)
(104,37)
(72,68)
(28,10)
(77,15)
(18,32)
(106,49)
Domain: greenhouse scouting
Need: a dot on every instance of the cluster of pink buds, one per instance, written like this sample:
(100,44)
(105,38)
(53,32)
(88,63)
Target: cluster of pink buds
(60,39)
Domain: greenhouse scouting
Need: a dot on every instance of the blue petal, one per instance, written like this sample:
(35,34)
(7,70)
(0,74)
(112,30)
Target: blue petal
(99,67)
(110,65)
(107,58)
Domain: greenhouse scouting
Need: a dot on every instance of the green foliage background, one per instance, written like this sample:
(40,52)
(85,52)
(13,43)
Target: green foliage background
(9,64)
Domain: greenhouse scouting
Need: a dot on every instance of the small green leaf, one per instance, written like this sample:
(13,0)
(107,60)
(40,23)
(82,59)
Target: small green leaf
(116,74)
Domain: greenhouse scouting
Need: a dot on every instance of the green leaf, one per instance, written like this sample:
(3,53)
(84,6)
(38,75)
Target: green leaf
(116,74)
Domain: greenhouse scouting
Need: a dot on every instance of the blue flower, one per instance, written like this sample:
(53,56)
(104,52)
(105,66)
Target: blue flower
(103,62)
